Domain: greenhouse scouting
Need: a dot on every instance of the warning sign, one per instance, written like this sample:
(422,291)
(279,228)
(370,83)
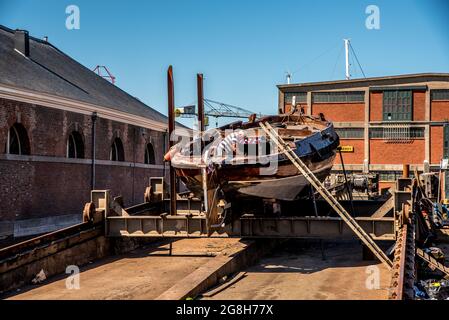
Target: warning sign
(347,148)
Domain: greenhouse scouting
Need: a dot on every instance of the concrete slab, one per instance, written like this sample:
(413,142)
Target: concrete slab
(298,273)
(230,260)
(141,274)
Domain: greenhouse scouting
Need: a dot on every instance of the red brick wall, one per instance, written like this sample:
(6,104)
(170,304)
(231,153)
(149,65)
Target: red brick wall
(419,105)
(32,189)
(382,152)
(47,128)
(439,110)
(375,106)
(355,157)
(38,189)
(386,185)
(340,112)
(436,144)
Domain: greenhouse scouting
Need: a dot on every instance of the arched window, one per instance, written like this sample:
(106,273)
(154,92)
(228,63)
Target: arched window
(149,154)
(75,145)
(117,153)
(17,142)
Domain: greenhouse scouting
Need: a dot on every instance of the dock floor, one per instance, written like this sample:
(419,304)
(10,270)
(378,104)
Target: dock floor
(141,274)
(298,272)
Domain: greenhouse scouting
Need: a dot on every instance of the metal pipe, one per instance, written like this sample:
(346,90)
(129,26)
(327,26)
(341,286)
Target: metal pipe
(206,200)
(164,147)
(92,177)
(405,170)
(199,83)
(171,128)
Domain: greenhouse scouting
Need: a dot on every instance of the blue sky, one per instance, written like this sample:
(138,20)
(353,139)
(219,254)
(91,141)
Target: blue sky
(243,47)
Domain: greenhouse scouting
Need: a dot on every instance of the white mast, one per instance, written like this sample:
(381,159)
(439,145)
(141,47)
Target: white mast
(348,75)
(289,77)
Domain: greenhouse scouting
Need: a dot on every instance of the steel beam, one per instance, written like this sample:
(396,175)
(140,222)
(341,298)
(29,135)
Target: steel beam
(403,271)
(199,83)
(171,129)
(194,226)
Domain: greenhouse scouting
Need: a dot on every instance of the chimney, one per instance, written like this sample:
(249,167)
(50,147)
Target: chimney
(22,42)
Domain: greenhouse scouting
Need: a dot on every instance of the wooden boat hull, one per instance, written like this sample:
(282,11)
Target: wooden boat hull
(244,180)
(287,188)
(278,178)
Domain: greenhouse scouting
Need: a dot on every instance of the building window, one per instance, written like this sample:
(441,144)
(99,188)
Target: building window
(301,97)
(17,142)
(440,95)
(75,145)
(397,105)
(350,133)
(389,176)
(397,133)
(149,154)
(117,153)
(341,97)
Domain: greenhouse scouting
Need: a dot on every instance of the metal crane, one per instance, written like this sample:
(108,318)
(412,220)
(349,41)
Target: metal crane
(215,109)
(104,72)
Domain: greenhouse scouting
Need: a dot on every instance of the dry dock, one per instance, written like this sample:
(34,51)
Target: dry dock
(141,274)
(296,270)
(123,255)
(300,273)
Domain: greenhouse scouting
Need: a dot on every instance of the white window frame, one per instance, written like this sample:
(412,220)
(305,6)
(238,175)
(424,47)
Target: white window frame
(8,142)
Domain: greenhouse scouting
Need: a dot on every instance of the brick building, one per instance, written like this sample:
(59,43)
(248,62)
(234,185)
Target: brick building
(64,130)
(384,122)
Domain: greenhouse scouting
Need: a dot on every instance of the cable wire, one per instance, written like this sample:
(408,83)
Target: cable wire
(316,58)
(355,55)
(336,61)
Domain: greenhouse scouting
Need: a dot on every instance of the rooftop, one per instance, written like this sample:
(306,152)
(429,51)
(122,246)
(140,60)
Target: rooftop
(49,70)
(366,82)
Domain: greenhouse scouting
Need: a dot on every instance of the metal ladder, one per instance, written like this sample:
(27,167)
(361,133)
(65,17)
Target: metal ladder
(433,262)
(305,171)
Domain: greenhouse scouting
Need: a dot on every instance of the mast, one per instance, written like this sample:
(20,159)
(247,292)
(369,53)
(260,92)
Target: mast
(348,75)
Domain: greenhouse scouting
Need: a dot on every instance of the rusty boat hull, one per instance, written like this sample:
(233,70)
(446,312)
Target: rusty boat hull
(279,178)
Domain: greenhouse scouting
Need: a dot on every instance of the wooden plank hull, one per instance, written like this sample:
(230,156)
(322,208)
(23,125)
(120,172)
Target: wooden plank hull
(269,174)
(242,181)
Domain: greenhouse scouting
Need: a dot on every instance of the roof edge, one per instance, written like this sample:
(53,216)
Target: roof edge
(361,80)
(4,28)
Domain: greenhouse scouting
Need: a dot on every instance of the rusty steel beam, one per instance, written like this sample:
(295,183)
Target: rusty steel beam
(171,129)
(193,226)
(43,240)
(199,83)
(403,271)
(20,265)
(32,250)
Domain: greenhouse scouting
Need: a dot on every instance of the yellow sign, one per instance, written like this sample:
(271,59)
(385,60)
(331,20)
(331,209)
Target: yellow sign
(177,112)
(347,148)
